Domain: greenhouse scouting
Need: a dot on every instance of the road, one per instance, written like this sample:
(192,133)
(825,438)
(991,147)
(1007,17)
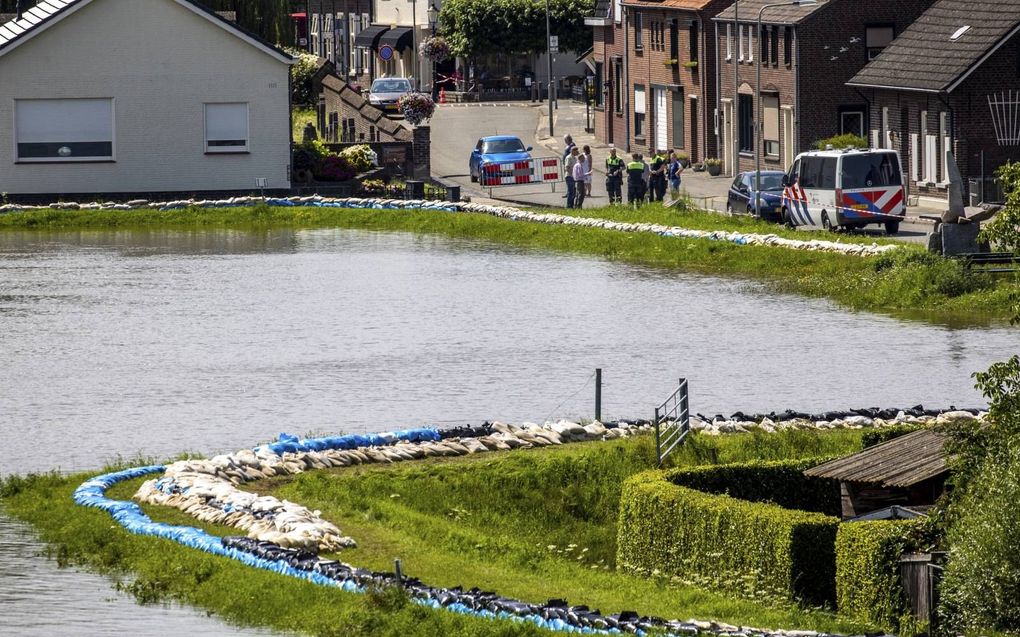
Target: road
(457,127)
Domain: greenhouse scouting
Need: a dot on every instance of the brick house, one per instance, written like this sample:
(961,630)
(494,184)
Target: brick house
(806,54)
(330,29)
(656,63)
(949,82)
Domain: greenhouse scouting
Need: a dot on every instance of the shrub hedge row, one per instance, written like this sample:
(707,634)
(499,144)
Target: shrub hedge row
(872,437)
(868,585)
(678,531)
(781,482)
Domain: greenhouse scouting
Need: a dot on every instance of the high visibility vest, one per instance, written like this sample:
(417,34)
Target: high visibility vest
(612,163)
(636,171)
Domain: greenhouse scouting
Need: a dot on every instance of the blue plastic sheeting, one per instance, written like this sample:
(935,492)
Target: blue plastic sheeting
(286,443)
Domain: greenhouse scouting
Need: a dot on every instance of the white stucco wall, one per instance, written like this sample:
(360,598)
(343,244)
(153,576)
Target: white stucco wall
(161,63)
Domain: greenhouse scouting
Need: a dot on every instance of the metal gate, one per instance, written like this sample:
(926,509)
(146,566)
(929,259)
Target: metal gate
(672,421)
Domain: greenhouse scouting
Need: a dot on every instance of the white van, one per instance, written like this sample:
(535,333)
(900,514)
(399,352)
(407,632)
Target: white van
(845,188)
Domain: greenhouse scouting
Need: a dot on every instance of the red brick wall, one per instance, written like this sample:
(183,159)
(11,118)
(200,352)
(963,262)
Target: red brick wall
(608,46)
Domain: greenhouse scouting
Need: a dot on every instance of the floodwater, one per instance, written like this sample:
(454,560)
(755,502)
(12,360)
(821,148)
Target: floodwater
(128,344)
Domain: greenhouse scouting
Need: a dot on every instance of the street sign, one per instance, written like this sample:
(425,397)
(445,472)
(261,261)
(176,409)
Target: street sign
(554,44)
(385,52)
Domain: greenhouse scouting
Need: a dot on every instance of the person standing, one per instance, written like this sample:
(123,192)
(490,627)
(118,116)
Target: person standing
(673,173)
(657,181)
(586,151)
(568,145)
(568,176)
(646,177)
(636,179)
(581,174)
(614,177)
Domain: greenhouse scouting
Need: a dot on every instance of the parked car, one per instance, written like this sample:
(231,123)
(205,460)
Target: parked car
(845,189)
(770,203)
(496,149)
(386,91)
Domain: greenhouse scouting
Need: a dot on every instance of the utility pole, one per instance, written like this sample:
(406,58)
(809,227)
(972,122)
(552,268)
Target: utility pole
(548,54)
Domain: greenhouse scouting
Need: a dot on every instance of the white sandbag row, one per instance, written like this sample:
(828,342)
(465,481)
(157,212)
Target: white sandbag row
(505,212)
(732,426)
(208,489)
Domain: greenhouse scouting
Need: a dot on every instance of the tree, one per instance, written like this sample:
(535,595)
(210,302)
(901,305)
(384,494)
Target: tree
(1004,230)
(475,27)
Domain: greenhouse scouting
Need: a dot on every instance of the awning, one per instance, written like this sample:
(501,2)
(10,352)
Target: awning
(397,37)
(368,38)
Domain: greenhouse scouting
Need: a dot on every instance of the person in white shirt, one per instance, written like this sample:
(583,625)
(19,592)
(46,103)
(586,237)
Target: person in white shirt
(568,176)
(581,172)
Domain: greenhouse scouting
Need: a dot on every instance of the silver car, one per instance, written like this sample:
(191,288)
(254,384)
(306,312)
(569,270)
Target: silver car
(386,91)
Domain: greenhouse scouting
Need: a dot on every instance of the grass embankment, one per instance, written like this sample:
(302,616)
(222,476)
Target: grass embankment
(910,281)
(518,523)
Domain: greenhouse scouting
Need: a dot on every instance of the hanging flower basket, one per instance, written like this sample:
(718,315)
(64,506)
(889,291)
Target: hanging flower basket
(416,107)
(435,48)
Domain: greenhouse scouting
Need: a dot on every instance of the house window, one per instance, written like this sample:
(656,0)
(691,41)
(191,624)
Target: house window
(746,123)
(316,41)
(638,43)
(750,44)
(740,43)
(678,119)
(877,38)
(639,110)
(694,41)
(226,128)
(599,84)
(674,40)
(788,46)
(729,41)
(618,88)
(64,130)
(775,46)
(770,121)
(763,43)
(618,11)
(851,122)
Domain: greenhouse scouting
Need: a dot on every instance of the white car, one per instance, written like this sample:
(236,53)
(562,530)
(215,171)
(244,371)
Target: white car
(386,91)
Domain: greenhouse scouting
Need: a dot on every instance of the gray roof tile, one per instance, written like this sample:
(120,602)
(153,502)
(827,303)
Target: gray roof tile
(789,14)
(923,58)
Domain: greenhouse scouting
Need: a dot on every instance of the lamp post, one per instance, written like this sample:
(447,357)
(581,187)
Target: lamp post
(757,99)
(548,58)
(433,22)
(414,45)
(735,110)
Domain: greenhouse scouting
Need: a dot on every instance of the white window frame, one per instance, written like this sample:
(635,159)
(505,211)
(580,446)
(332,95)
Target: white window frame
(740,43)
(618,11)
(45,160)
(750,44)
(729,41)
(314,31)
(842,122)
(227,149)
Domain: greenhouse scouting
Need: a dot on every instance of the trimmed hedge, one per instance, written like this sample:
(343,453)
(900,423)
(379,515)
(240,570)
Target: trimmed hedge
(677,531)
(868,585)
(780,482)
(872,437)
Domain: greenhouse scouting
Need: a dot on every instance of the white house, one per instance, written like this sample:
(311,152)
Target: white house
(139,96)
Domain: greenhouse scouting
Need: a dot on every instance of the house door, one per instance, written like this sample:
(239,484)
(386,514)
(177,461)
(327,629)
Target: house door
(695,147)
(726,128)
(788,149)
(661,126)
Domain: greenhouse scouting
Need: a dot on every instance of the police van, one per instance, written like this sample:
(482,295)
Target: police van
(845,189)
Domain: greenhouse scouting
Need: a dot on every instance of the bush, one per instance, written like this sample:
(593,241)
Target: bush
(782,483)
(868,585)
(334,168)
(842,141)
(360,157)
(301,90)
(721,540)
(872,437)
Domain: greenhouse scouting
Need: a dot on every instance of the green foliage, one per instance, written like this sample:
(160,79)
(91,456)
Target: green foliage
(868,585)
(982,577)
(359,157)
(874,437)
(917,274)
(779,482)
(513,26)
(1004,230)
(682,532)
(848,140)
(302,91)
(269,19)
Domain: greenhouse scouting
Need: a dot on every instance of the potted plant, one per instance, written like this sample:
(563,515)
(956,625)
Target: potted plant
(691,64)
(684,159)
(416,107)
(670,62)
(435,48)
(713,166)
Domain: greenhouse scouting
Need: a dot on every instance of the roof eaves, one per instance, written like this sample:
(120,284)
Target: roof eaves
(896,87)
(23,32)
(989,53)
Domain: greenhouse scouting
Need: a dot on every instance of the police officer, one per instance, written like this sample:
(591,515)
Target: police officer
(614,177)
(657,181)
(636,179)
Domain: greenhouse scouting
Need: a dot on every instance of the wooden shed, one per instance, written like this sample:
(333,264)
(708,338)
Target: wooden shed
(908,471)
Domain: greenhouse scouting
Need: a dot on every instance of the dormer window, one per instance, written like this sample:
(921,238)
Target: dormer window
(959,33)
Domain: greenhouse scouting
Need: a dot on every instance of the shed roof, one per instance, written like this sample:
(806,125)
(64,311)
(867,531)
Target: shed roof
(926,58)
(48,12)
(783,14)
(900,462)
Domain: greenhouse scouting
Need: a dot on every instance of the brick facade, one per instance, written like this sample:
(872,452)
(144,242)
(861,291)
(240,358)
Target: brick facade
(805,75)
(336,44)
(960,121)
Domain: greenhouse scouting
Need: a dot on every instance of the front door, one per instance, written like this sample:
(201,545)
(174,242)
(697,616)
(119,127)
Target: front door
(726,128)
(661,127)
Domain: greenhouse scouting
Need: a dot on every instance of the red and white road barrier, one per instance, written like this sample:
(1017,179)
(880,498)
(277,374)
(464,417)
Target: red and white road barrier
(538,170)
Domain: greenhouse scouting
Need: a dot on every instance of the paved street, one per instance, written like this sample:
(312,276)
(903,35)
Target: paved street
(457,127)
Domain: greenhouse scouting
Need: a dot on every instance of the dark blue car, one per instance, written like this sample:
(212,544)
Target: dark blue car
(741,194)
(496,149)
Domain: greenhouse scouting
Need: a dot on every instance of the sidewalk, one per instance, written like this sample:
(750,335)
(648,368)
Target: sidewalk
(707,192)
